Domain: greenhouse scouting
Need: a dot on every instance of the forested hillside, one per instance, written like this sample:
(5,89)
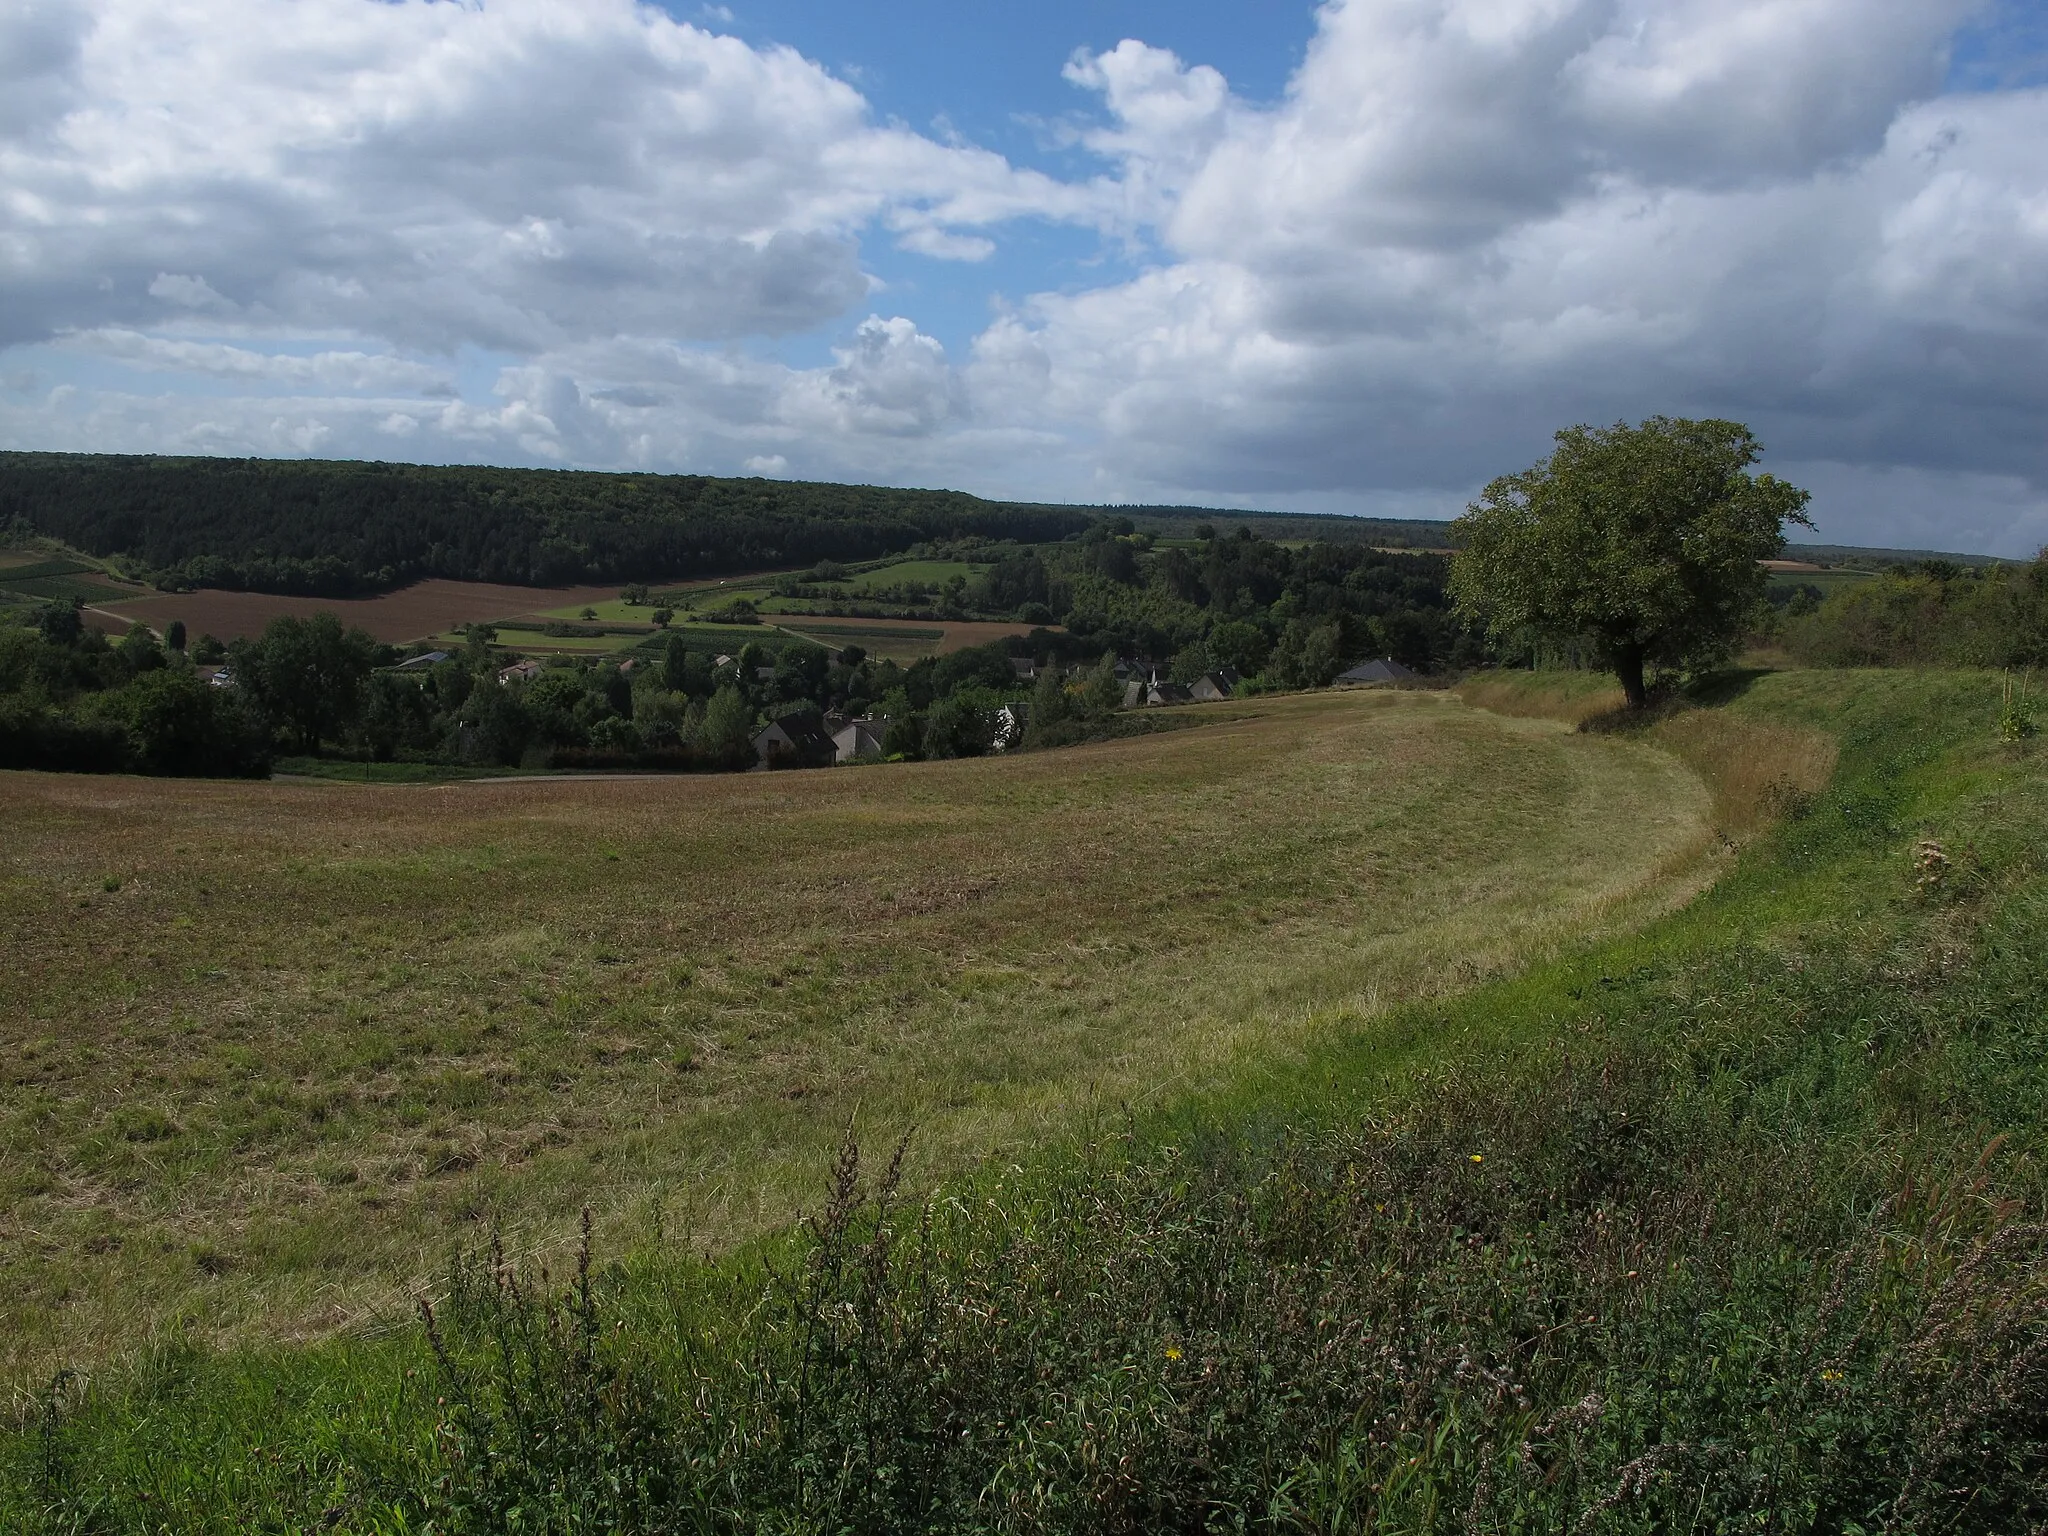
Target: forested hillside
(334,529)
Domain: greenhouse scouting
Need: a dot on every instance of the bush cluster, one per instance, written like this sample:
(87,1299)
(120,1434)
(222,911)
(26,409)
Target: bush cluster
(1933,612)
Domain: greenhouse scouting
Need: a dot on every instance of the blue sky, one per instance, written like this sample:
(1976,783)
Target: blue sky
(1354,257)
(990,73)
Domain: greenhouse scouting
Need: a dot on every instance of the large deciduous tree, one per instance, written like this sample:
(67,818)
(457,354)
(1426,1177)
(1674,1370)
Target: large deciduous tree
(1642,542)
(306,675)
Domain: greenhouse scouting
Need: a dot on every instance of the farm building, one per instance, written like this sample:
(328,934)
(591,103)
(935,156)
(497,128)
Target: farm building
(421,663)
(795,740)
(1385,670)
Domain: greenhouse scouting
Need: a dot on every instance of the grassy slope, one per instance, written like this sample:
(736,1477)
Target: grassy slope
(276,1047)
(1698,1230)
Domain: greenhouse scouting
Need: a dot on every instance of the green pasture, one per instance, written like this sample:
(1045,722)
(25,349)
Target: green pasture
(540,643)
(933,573)
(15,569)
(609,611)
(85,588)
(1827,582)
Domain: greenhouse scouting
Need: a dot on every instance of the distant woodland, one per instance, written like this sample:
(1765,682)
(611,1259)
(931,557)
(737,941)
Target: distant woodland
(329,529)
(346,529)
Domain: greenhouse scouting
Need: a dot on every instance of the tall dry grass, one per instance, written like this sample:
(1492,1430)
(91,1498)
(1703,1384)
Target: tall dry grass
(1757,770)
(1572,697)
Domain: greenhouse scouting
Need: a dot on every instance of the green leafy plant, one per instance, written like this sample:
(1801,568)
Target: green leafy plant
(2016,712)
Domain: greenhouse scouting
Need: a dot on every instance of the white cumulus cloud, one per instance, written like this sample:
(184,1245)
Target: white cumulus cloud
(1463,224)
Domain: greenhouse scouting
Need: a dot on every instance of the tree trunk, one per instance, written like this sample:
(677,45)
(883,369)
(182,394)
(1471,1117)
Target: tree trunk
(1628,666)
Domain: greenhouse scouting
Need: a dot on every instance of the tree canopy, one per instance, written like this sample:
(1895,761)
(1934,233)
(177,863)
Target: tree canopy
(1641,542)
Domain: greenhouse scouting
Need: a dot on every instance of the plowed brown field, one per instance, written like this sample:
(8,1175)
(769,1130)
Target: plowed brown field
(425,608)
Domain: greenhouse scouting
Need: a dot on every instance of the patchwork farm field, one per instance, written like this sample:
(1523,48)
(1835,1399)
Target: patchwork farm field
(437,610)
(425,608)
(273,1049)
(901,638)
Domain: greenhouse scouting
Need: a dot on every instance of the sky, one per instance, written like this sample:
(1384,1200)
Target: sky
(1354,257)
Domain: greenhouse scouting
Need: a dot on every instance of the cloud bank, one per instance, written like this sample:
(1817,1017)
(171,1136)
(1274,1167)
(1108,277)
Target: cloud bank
(239,226)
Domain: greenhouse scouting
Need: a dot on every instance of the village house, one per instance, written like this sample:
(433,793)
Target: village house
(1210,687)
(858,739)
(1168,693)
(1025,668)
(795,740)
(519,672)
(1385,670)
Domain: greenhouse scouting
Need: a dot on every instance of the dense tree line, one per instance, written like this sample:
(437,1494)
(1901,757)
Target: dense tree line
(1295,614)
(71,700)
(336,529)
(1931,612)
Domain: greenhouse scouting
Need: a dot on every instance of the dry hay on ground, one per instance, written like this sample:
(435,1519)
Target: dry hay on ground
(272,1048)
(425,608)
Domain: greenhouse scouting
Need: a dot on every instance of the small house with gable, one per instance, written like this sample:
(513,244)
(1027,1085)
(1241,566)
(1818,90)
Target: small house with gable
(1385,670)
(795,740)
(858,739)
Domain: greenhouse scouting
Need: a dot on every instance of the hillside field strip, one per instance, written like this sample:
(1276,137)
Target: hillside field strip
(437,611)
(422,609)
(901,639)
(273,1049)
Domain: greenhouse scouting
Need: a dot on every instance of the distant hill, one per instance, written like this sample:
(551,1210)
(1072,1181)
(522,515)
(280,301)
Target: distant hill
(1289,527)
(337,529)
(1856,557)
(347,528)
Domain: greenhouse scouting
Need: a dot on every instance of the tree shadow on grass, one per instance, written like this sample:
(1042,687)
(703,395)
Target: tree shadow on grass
(1712,691)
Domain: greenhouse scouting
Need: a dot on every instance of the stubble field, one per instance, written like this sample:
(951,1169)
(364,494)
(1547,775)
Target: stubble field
(270,1050)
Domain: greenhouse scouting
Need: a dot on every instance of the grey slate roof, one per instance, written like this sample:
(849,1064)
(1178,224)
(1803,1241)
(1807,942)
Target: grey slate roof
(1385,670)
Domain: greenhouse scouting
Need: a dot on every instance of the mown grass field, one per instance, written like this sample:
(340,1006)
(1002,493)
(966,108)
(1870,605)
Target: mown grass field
(272,1049)
(1730,1222)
